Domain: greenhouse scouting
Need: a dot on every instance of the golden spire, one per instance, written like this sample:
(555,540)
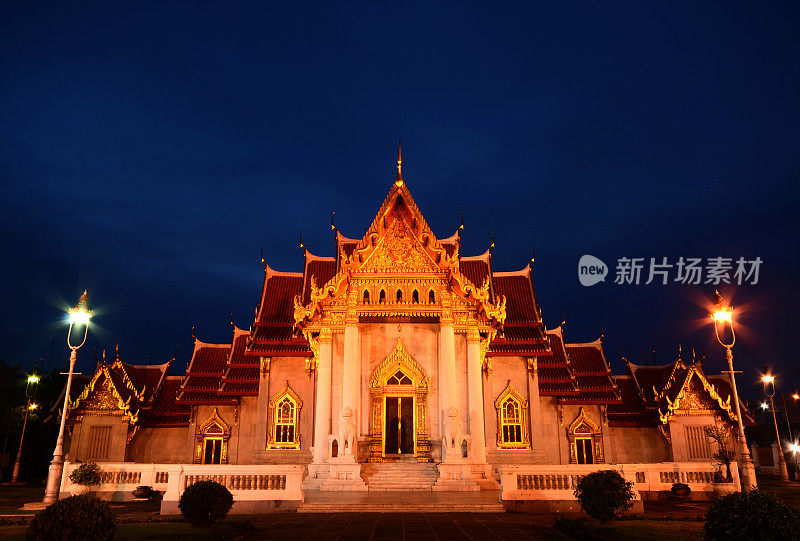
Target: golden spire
(399,179)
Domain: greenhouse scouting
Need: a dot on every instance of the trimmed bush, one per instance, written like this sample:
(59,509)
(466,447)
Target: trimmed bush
(76,517)
(87,474)
(604,494)
(204,502)
(753,516)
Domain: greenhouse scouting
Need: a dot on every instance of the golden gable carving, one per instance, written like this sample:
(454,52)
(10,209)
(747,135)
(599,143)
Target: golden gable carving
(398,251)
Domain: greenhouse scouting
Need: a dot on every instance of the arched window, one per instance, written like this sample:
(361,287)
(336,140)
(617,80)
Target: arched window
(285,420)
(399,378)
(511,421)
(212,441)
(382,298)
(415,297)
(431,297)
(512,424)
(366,297)
(399,295)
(585,440)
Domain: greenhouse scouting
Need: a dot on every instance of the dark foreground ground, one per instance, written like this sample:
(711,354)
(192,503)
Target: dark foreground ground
(140,521)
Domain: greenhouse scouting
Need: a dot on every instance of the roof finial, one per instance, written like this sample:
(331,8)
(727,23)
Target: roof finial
(399,179)
(117,350)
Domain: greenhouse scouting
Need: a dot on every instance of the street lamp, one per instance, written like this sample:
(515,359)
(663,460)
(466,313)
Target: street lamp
(79,315)
(769,390)
(721,314)
(30,392)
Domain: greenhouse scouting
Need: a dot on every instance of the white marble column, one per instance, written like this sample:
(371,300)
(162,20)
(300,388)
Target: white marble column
(322,416)
(351,378)
(447,367)
(475,396)
(535,411)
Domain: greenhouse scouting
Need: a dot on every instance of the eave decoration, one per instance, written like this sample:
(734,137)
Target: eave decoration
(214,427)
(392,271)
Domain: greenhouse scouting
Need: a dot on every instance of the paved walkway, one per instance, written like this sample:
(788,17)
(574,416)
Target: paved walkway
(405,526)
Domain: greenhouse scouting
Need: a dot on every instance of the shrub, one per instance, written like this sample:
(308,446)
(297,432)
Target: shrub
(76,517)
(604,494)
(204,502)
(88,474)
(753,516)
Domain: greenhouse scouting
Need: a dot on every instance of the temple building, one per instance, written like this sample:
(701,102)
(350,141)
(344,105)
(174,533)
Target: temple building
(398,354)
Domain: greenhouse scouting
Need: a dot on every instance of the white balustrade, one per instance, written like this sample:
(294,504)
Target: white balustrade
(119,479)
(247,483)
(558,482)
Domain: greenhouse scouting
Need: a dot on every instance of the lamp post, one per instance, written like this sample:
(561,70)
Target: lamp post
(721,314)
(769,390)
(30,392)
(79,315)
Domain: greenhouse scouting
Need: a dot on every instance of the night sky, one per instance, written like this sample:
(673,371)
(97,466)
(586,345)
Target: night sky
(148,153)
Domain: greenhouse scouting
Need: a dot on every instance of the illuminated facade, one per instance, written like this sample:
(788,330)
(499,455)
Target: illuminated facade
(398,349)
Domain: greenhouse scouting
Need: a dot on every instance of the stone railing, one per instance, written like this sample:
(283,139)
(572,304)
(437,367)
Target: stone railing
(557,482)
(119,479)
(255,488)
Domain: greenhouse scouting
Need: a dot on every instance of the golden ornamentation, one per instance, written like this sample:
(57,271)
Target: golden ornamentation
(213,428)
(294,441)
(264,364)
(510,396)
(672,407)
(399,252)
(584,428)
(486,362)
(399,360)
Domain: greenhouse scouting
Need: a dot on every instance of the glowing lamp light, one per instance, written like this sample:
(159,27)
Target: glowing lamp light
(794,448)
(721,312)
(796,396)
(81,314)
(33,379)
(768,379)
(33,406)
(764,406)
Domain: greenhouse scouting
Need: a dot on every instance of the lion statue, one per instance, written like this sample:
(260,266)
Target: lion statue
(451,443)
(347,433)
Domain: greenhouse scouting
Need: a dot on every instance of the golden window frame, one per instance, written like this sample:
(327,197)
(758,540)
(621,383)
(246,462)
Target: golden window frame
(584,428)
(286,393)
(214,428)
(510,393)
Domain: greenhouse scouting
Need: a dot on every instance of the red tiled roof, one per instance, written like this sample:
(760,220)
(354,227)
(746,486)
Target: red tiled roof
(631,411)
(165,411)
(587,359)
(476,270)
(277,303)
(209,359)
(520,305)
(322,270)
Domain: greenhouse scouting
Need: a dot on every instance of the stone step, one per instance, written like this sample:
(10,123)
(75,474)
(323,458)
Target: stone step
(401,507)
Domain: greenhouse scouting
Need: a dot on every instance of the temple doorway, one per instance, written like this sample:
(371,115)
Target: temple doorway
(399,428)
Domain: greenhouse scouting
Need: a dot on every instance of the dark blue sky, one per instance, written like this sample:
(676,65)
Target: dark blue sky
(148,152)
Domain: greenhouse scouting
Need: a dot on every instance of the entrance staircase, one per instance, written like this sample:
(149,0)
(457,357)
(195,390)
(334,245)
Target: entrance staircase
(399,476)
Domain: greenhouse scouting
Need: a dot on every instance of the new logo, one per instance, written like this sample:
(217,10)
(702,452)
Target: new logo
(591,270)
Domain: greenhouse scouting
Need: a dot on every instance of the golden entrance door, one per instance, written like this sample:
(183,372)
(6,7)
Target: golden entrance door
(399,425)
(585,453)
